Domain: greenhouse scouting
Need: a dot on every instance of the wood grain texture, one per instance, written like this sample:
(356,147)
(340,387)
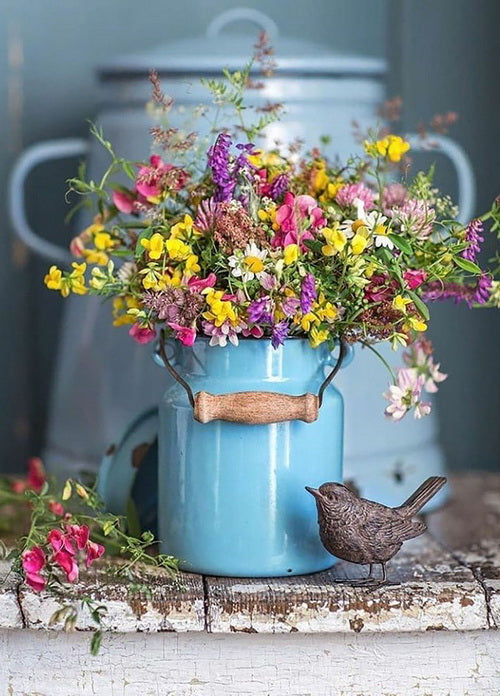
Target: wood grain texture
(39,663)
(255,407)
(153,603)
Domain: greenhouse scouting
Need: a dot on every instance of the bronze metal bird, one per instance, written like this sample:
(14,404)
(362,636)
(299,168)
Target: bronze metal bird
(365,532)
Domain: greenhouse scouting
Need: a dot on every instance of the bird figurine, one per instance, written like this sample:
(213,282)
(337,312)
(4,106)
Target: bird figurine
(365,532)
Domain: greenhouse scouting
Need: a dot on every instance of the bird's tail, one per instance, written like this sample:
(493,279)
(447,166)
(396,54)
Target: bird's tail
(424,493)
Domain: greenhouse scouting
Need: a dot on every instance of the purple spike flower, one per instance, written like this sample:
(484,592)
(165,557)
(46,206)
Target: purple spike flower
(258,311)
(308,293)
(469,294)
(279,186)
(218,161)
(474,239)
(280,332)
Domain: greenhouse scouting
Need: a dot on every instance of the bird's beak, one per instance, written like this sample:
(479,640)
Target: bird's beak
(313,491)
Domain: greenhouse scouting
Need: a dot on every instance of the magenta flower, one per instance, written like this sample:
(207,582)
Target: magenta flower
(124,202)
(196,284)
(33,561)
(474,239)
(94,551)
(142,334)
(405,395)
(148,181)
(206,214)
(79,534)
(296,217)
(346,194)
(67,562)
(414,278)
(185,334)
(60,541)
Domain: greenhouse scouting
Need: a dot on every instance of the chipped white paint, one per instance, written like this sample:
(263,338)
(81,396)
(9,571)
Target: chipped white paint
(10,612)
(121,615)
(434,664)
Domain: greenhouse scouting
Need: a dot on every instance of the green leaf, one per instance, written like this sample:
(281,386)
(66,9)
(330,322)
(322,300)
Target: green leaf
(401,244)
(133,522)
(419,304)
(95,643)
(468,266)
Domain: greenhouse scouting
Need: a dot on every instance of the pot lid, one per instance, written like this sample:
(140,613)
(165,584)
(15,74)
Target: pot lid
(218,49)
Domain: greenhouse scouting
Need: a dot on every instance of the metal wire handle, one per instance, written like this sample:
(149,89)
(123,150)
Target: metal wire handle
(192,399)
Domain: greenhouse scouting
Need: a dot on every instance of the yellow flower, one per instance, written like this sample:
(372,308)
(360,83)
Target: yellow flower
(325,311)
(173,278)
(177,250)
(53,279)
(183,230)
(154,246)
(121,305)
(359,241)
(264,159)
(95,256)
(321,179)
(400,302)
(291,254)
(416,324)
(370,269)
(192,265)
(103,241)
(220,310)
(393,147)
(92,230)
(317,336)
(335,241)
(307,320)
(153,279)
(253,263)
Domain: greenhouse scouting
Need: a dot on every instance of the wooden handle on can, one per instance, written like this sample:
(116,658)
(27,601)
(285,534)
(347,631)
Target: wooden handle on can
(255,407)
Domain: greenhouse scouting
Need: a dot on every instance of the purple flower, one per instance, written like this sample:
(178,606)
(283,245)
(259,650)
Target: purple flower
(290,305)
(218,161)
(474,239)
(242,159)
(469,294)
(279,187)
(280,332)
(258,311)
(308,293)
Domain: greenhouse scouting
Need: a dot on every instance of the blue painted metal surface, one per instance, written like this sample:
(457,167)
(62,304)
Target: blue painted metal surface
(231,496)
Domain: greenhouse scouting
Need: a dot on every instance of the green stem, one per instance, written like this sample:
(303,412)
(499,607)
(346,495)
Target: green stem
(381,358)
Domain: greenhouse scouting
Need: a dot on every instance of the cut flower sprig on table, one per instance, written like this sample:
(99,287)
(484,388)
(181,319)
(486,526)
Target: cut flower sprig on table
(235,241)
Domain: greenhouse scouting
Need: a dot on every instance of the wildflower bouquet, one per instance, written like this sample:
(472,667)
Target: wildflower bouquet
(230,241)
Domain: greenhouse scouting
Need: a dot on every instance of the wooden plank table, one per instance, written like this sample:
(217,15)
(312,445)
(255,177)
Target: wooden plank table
(430,632)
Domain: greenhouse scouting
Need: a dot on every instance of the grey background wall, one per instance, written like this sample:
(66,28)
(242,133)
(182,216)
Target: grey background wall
(442,56)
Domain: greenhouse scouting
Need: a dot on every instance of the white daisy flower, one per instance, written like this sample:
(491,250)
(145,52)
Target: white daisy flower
(248,264)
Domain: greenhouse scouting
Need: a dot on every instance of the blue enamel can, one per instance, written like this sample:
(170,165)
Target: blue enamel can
(231,498)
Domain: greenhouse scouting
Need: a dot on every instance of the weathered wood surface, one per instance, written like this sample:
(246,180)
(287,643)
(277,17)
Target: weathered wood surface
(449,579)
(437,663)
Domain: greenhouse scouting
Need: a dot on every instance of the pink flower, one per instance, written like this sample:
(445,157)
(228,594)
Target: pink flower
(185,334)
(414,278)
(79,534)
(60,541)
(33,561)
(254,332)
(419,357)
(35,479)
(346,194)
(56,508)
(379,289)
(293,216)
(405,395)
(393,196)
(416,217)
(94,551)
(142,334)
(196,284)
(66,561)
(123,201)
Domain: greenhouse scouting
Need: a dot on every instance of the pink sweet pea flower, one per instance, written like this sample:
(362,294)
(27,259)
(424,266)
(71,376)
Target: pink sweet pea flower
(94,551)
(196,284)
(414,278)
(142,334)
(36,474)
(79,534)
(185,334)
(67,562)
(123,201)
(290,217)
(60,541)
(33,561)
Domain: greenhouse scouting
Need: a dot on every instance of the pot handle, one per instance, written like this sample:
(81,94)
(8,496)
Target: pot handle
(30,158)
(463,167)
(253,407)
(245,14)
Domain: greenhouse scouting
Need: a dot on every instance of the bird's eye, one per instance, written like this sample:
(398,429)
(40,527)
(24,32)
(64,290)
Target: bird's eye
(330,496)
